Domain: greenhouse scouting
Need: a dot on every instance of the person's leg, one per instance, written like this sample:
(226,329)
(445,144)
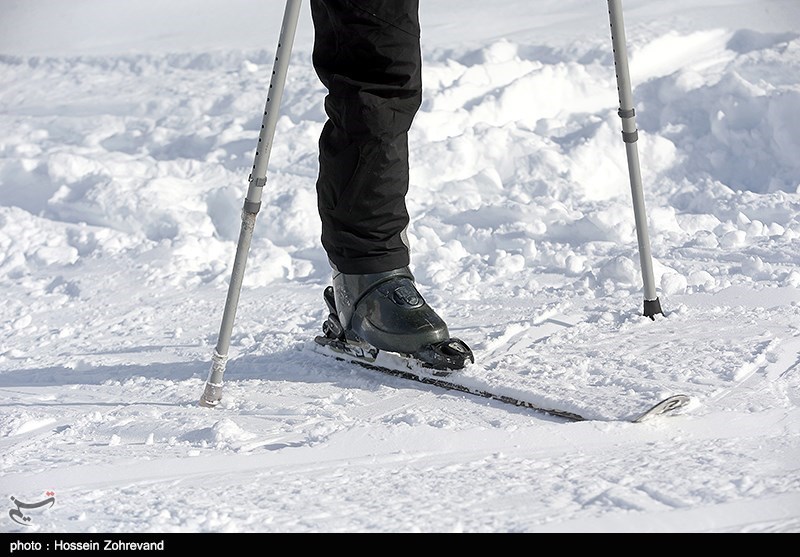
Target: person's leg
(367,54)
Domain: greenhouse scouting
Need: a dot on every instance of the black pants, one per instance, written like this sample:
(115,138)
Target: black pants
(367,54)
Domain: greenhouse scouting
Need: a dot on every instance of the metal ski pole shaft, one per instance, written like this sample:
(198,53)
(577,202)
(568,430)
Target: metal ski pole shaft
(252,203)
(630,136)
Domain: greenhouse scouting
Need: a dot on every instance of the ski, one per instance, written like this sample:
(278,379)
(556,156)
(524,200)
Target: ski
(406,368)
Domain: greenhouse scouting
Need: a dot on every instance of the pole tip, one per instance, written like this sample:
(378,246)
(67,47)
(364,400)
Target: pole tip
(652,308)
(211,396)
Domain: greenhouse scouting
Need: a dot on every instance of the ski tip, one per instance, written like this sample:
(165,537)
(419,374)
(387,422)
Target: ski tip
(667,406)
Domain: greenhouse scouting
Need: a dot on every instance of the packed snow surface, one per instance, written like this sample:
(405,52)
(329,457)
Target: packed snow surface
(127,133)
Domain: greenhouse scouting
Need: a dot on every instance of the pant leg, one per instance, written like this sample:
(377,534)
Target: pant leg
(367,54)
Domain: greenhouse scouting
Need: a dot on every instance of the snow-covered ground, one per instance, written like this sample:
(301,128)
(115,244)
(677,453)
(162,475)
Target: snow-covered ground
(127,131)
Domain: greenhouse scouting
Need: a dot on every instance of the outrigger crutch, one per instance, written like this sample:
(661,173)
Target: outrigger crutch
(630,135)
(252,203)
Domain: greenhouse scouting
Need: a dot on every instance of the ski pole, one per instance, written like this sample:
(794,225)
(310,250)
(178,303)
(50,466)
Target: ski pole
(630,136)
(252,203)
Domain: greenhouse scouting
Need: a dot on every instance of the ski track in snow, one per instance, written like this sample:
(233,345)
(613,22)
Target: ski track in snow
(121,183)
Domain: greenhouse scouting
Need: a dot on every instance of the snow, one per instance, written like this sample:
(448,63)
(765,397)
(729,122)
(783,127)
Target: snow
(127,133)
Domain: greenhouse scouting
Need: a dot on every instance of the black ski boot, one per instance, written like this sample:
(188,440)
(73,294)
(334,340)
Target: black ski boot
(386,311)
